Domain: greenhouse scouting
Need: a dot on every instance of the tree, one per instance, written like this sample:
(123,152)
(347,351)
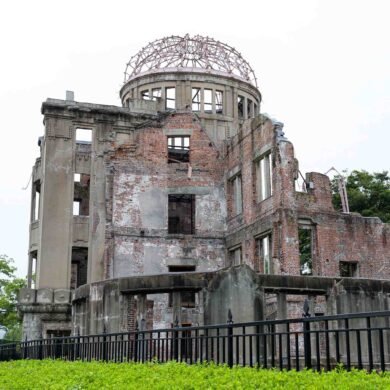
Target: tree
(368,193)
(9,288)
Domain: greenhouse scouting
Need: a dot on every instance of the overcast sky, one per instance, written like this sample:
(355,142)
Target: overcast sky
(322,66)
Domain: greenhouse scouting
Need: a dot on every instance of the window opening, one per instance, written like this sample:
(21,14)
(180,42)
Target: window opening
(36,200)
(219,102)
(235,256)
(181,268)
(195,99)
(348,269)
(32,270)
(236,195)
(305,236)
(79,267)
(76,207)
(145,95)
(265,250)
(178,149)
(240,104)
(264,177)
(156,93)
(81,194)
(181,214)
(255,109)
(208,101)
(187,297)
(249,108)
(83,136)
(170,98)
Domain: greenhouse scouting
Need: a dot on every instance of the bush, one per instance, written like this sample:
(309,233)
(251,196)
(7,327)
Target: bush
(57,374)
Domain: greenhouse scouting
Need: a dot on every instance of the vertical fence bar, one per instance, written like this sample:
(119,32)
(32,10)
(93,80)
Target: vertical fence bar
(359,350)
(347,344)
(369,342)
(306,335)
(327,346)
(176,340)
(288,346)
(381,350)
(230,339)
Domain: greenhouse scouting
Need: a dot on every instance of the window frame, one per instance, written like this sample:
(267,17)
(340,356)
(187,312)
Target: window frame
(169,100)
(266,262)
(173,148)
(264,176)
(181,227)
(235,184)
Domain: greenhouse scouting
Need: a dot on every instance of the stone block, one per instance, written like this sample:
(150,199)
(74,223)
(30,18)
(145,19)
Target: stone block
(61,296)
(44,295)
(27,295)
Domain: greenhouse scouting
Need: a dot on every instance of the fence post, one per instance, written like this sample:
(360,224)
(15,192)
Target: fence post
(25,348)
(78,340)
(136,341)
(105,352)
(306,335)
(176,341)
(40,349)
(230,339)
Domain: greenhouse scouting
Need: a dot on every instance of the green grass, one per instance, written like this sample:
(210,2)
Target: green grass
(57,374)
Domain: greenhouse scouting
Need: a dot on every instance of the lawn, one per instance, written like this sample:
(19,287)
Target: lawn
(51,374)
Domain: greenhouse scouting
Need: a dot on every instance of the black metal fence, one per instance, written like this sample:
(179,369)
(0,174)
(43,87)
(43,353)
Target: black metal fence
(360,340)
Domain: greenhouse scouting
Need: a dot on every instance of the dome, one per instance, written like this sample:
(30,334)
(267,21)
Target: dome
(191,54)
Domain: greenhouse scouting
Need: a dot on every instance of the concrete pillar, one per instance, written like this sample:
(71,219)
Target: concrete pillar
(97,209)
(57,209)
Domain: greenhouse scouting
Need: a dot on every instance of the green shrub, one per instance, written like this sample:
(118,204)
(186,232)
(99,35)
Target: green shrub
(57,374)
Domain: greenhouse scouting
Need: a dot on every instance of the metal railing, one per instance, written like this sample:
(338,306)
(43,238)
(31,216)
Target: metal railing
(360,340)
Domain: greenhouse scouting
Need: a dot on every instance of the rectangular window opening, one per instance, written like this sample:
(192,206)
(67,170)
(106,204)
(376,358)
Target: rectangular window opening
(79,267)
(36,200)
(81,194)
(264,247)
(219,102)
(240,105)
(305,236)
(236,191)
(196,99)
(181,214)
(181,268)
(235,256)
(32,270)
(84,136)
(249,108)
(208,101)
(178,149)
(348,269)
(145,95)
(156,93)
(170,98)
(264,177)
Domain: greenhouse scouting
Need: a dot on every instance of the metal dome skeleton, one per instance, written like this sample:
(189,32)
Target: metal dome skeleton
(196,53)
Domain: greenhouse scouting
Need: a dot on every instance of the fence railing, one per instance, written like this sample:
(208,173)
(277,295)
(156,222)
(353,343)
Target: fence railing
(360,340)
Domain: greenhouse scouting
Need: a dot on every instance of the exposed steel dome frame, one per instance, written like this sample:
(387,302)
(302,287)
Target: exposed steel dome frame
(187,52)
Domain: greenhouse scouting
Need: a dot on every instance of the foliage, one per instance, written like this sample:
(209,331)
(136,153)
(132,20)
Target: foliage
(57,374)
(9,289)
(305,251)
(368,193)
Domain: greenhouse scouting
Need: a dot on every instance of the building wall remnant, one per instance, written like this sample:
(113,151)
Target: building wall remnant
(186,177)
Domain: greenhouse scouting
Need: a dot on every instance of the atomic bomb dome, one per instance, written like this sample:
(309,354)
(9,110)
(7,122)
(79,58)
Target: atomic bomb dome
(190,54)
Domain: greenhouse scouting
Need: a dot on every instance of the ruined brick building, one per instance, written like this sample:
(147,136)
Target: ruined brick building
(179,203)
